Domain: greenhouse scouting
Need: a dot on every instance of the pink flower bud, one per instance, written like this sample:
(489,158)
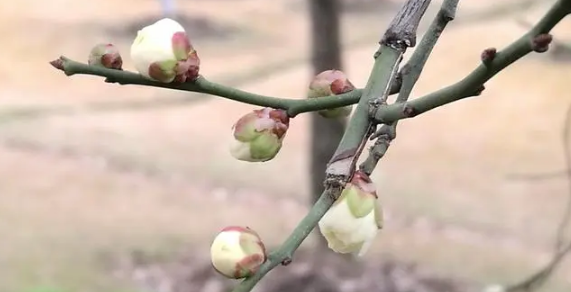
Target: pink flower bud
(258,135)
(330,83)
(105,55)
(351,224)
(237,252)
(163,52)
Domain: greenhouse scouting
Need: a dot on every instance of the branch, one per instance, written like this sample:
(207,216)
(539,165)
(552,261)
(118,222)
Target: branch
(561,248)
(291,105)
(342,164)
(400,35)
(410,73)
(539,278)
(537,39)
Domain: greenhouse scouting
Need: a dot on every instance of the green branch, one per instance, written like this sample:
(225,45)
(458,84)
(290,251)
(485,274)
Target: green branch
(410,73)
(493,62)
(293,106)
(399,36)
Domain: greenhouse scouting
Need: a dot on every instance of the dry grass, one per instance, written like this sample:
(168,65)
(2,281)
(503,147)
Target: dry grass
(79,189)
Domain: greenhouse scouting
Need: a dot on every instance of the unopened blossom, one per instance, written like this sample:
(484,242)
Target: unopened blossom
(330,83)
(352,223)
(163,52)
(237,252)
(105,55)
(258,135)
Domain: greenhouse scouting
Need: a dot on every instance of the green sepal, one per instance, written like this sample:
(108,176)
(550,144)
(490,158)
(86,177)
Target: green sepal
(360,203)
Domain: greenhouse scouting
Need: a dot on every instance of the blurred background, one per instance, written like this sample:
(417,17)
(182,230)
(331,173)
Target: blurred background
(121,188)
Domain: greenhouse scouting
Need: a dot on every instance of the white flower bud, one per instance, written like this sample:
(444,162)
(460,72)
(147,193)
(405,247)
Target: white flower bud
(105,55)
(237,252)
(258,135)
(331,83)
(162,52)
(351,224)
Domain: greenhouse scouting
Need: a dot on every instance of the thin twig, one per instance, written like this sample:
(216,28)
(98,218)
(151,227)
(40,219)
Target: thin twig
(561,247)
(560,237)
(294,106)
(410,73)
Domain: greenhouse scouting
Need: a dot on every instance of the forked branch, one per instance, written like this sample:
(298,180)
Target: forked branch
(372,108)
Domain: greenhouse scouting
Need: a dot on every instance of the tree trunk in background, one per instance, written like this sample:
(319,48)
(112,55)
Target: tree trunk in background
(325,55)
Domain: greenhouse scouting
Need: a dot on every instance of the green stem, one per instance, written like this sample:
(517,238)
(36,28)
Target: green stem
(473,83)
(359,127)
(379,80)
(294,106)
(410,73)
(292,243)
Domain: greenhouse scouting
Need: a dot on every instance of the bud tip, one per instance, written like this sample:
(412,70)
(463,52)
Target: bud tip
(58,63)
(488,55)
(540,43)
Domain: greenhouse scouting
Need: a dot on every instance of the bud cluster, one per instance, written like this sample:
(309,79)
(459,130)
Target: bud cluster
(162,52)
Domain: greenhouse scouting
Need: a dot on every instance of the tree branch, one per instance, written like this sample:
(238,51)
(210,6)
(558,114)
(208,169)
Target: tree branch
(342,164)
(405,24)
(293,106)
(472,84)
(562,248)
(410,73)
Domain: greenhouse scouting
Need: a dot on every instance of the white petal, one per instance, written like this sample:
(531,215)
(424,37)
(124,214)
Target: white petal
(241,151)
(368,230)
(264,124)
(348,229)
(226,251)
(154,44)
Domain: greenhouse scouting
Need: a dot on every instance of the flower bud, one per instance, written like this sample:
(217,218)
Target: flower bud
(237,252)
(329,83)
(105,55)
(163,52)
(351,224)
(258,135)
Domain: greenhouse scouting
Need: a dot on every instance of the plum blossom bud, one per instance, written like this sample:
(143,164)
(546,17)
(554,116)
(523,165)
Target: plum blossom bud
(329,83)
(351,224)
(105,55)
(237,252)
(163,52)
(258,135)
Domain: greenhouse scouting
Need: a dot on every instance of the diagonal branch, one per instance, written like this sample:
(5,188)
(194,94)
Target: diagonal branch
(562,248)
(537,39)
(410,73)
(342,165)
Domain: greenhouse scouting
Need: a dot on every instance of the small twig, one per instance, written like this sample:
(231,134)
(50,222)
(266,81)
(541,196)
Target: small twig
(410,73)
(539,176)
(560,237)
(538,278)
(473,83)
(294,106)
(562,248)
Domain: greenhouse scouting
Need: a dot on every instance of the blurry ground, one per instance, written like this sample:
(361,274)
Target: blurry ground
(79,191)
